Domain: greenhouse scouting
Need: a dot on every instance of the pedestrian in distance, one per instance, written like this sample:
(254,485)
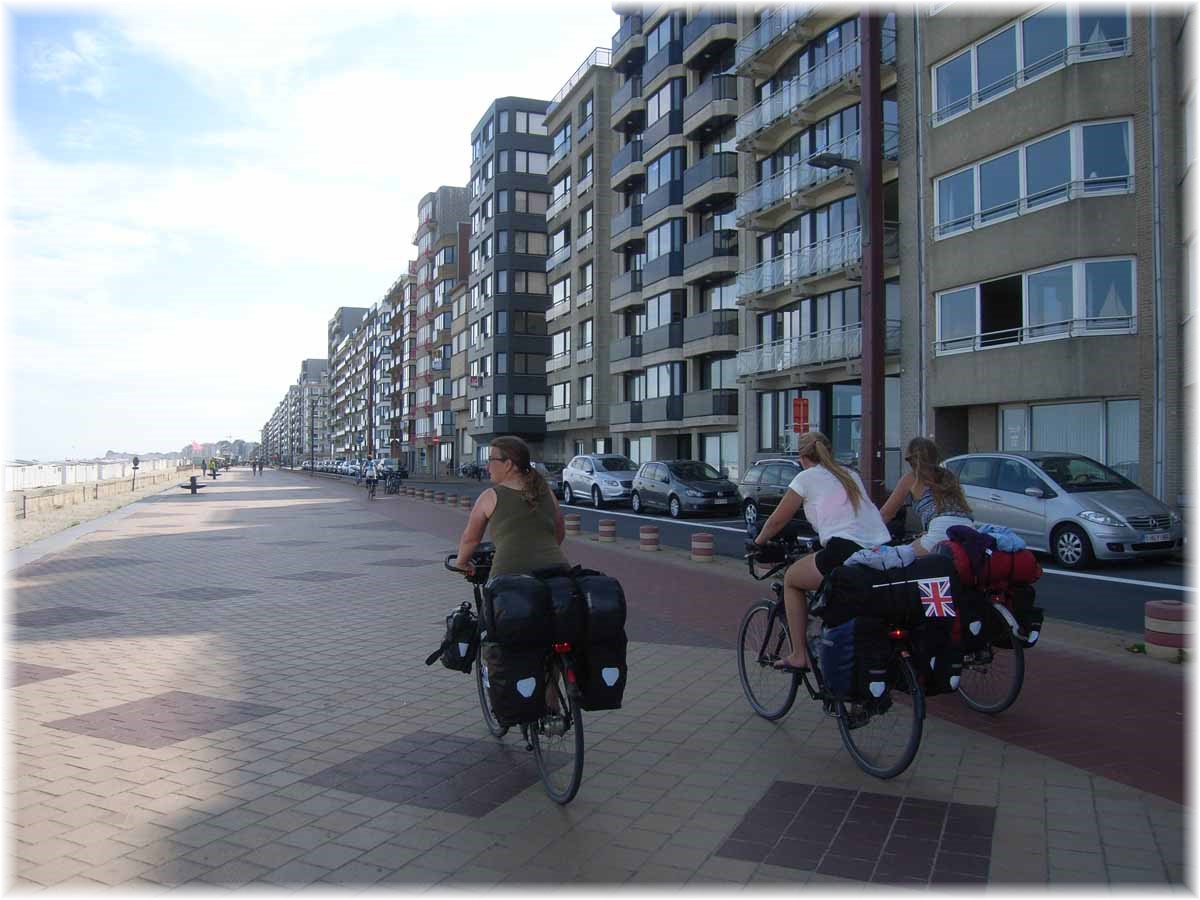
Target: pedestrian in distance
(936,494)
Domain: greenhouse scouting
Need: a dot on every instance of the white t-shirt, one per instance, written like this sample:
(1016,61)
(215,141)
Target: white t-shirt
(829,511)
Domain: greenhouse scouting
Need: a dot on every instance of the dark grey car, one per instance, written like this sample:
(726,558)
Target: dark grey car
(682,486)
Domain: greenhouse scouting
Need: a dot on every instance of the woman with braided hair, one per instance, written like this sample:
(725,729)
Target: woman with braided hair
(526,522)
(937,496)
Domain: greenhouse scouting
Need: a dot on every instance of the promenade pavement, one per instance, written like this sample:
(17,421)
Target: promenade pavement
(229,689)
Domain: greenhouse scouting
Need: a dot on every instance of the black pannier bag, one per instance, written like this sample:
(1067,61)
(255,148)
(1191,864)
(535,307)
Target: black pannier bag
(605,602)
(854,659)
(568,610)
(515,679)
(1020,600)
(516,611)
(977,618)
(937,654)
(461,642)
(899,597)
(602,672)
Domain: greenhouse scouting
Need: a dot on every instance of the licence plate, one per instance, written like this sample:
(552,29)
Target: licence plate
(722,500)
(1157,538)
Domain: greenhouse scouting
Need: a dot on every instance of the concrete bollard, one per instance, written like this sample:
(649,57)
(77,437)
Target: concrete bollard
(608,531)
(439,497)
(572,523)
(648,537)
(1168,628)
(702,548)
(452,500)
(428,494)
(465,502)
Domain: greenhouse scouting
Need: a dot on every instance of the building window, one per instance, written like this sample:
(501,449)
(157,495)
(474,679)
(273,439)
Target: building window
(585,389)
(560,395)
(586,165)
(718,372)
(560,291)
(585,333)
(530,202)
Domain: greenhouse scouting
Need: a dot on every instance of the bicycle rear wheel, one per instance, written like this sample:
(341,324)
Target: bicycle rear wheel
(883,735)
(489,718)
(992,678)
(557,740)
(762,641)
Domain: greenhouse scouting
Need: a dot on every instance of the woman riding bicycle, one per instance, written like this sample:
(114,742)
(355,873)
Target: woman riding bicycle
(836,505)
(936,493)
(526,522)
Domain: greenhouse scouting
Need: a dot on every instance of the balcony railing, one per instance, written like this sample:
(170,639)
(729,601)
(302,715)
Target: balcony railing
(716,402)
(626,284)
(583,354)
(710,324)
(828,346)
(625,413)
(662,409)
(558,257)
(559,361)
(627,155)
(669,193)
(1045,331)
(558,414)
(629,217)
(716,165)
(558,309)
(585,128)
(670,55)
(601,56)
(719,87)
(583,411)
(831,255)
(559,204)
(630,27)
(807,85)
(704,20)
(668,265)
(625,348)
(585,240)
(630,90)
(720,242)
(584,185)
(663,337)
(772,26)
(585,297)
(558,154)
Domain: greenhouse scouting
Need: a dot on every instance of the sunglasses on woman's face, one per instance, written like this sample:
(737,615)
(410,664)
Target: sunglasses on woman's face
(493,459)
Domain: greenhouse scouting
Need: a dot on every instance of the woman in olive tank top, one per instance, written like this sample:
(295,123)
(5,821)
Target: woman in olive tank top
(526,523)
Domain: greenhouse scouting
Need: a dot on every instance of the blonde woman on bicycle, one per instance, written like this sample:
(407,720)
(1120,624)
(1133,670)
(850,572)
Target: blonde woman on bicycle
(937,496)
(836,505)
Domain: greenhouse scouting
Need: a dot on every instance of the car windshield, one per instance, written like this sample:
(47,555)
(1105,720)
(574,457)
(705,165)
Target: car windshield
(614,464)
(553,467)
(695,471)
(1075,474)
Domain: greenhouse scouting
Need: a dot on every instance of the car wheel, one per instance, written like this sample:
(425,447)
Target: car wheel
(674,507)
(750,511)
(568,495)
(1071,547)
(597,500)
(635,502)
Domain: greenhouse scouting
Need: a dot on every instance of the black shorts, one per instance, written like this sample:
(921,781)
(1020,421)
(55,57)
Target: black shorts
(834,554)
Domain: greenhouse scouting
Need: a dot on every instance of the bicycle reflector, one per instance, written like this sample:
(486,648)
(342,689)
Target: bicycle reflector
(562,648)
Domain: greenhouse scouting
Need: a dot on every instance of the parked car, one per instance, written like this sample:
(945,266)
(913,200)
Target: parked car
(552,472)
(605,477)
(680,486)
(762,488)
(1067,505)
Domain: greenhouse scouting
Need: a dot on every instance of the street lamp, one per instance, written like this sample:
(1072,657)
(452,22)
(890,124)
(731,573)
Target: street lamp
(827,159)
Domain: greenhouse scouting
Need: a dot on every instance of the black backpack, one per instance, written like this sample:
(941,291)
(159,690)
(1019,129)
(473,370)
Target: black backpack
(461,643)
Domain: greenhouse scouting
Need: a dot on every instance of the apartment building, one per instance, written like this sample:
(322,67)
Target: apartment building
(392,405)
(1189,241)
(361,385)
(442,249)
(508,344)
(1046,210)
(578,273)
(312,416)
(404,327)
(460,333)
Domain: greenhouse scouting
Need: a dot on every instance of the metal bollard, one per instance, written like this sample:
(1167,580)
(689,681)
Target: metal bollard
(702,548)
(572,523)
(608,531)
(1168,628)
(648,537)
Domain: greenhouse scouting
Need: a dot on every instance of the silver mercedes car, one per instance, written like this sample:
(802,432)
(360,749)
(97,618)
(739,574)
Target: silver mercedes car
(1067,505)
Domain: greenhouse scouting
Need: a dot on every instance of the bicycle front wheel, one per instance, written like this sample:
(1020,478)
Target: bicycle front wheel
(489,718)
(762,641)
(557,739)
(883,735)
(992,678)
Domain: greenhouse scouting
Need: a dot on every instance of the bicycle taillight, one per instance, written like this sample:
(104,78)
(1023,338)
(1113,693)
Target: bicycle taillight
(897,634)
(562,648)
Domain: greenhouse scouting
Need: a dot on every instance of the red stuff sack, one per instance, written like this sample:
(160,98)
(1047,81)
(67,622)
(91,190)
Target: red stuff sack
(962,562)
(1002,569)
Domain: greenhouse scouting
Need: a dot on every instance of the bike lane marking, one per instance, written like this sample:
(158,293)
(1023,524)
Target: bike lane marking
(1134,581)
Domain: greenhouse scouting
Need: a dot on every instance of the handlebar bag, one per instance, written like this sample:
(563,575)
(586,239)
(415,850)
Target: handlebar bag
(515,680)
(854,658)
(603,671)
(516,611)
(461,642)
(903,596)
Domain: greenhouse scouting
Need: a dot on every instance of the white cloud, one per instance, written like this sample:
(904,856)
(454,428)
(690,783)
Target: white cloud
(79,67)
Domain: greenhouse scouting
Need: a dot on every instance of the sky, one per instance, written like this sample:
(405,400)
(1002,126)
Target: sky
(194,189)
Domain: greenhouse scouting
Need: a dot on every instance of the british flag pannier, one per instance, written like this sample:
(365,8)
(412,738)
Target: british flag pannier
(904,597)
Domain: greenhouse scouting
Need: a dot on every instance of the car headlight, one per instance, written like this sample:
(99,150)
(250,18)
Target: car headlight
(1100,518)
(610,482)
(1176,519)
(692,493)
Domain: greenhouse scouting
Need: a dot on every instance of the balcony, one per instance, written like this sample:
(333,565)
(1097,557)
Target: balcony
(823,347)
(558,257)
(698,112)
(584,185)
(585,297)
(704,20)
(662,409)
(585,128)
(583,354)
(627,164)
(559,361)
(713,323)
(626,226)
(669,265)
(721,242)
(809,264)
(664,337)
(710,169)
(439,364)
(583,411)
(804,185)
(558,414)
(772,27)
(585,240)
(628,106)
(558,309)
(670,55)
(662,128)
(625,348)
(629,413)
(561,152)
(627,39)
(629,283)
(718,402)
(560,203)
(669,194)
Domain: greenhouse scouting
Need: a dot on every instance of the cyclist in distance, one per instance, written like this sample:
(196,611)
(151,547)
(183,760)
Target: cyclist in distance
(371,474)
(936,493)
(836,505)
(526,522)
